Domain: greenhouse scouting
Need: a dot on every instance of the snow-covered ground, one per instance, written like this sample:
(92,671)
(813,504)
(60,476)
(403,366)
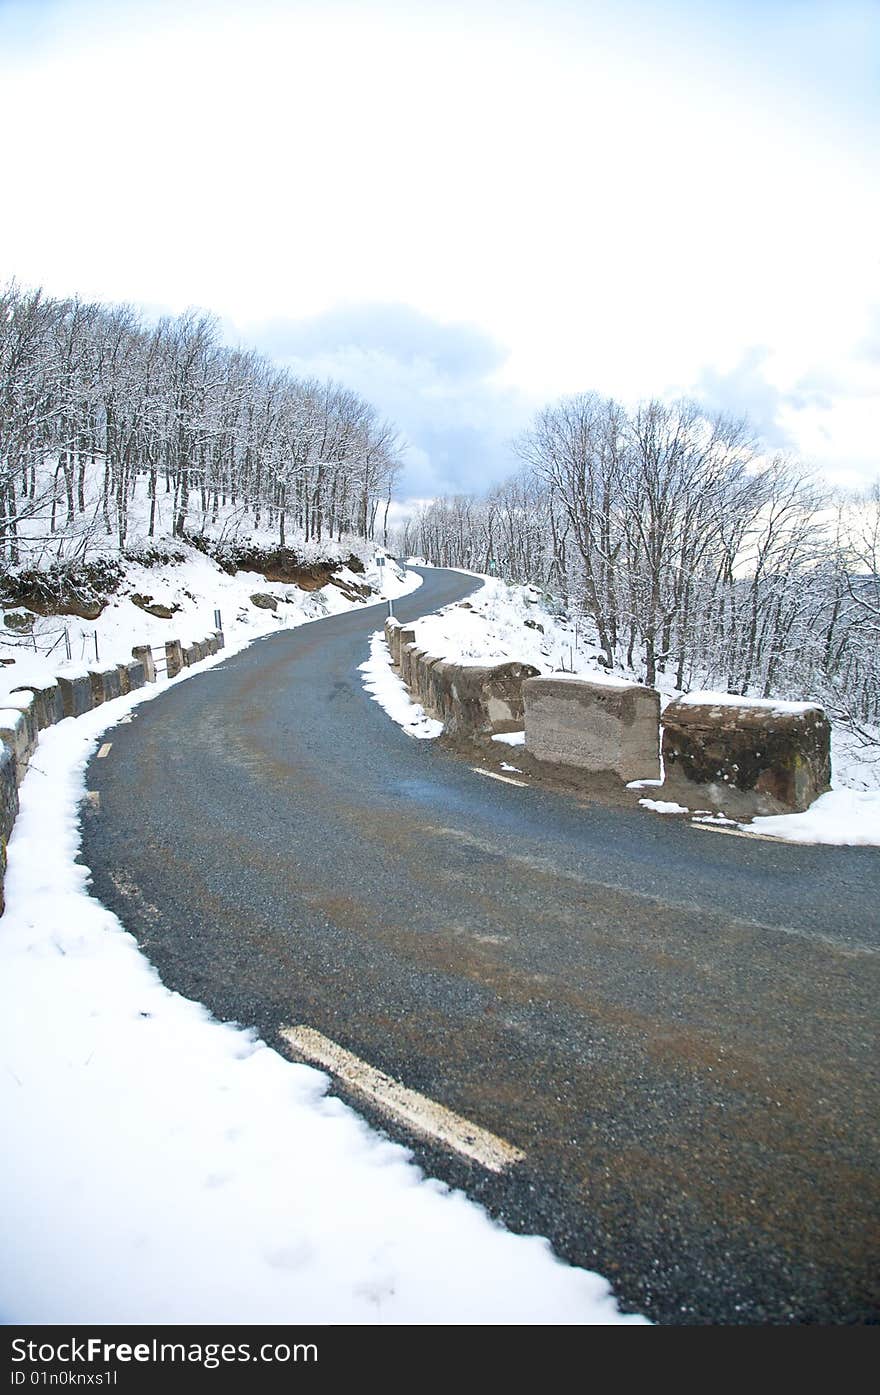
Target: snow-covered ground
(502,623)
(384,686)
(194,588)
(160,1166)
(184,579)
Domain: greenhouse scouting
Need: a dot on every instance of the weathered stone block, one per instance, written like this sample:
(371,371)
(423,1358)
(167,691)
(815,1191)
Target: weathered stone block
(745,756)
(478,698)
(404,637)
(8,791)
(14,734)
(143,654)
(173,658)
(136,675)
(407,663)
(105,684)
(468,699)
(122,670)
(76,694)
(23,701)
(190,655)
(8,808)
(392,637)
(597,724)
(48,703)
(221,640)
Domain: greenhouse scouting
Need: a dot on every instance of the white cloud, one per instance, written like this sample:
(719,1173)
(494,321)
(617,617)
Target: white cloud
(625,198)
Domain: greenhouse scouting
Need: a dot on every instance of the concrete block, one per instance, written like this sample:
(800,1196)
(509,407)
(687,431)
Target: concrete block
(221,640)
(745,756)
(173,657)
(143,654)
(76,694)
(597,724)
(190,655)
(48,702)
(122,671)
(211,644)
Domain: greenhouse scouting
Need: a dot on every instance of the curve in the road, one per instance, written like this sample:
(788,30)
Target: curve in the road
(676,1029)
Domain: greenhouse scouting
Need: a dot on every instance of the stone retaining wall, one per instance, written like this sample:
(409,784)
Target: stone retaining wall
(470,700)
(741,757)
(29,710)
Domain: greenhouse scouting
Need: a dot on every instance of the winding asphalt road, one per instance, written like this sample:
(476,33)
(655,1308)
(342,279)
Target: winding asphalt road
(676,1027)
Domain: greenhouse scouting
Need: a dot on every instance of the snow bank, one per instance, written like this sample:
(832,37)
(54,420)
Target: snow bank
(392,695)
(662,806)
(162,1167)
(774,705)
(842,816)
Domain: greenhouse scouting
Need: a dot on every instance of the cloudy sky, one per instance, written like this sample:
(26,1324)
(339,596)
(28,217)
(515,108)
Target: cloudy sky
(464,210)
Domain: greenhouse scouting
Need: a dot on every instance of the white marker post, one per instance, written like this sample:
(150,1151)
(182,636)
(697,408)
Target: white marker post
(380,563)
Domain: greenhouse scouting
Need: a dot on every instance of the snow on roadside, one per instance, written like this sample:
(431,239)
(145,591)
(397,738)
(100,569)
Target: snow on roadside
(195,588)
(840,817)
(392,694)
(663,806)
(163,1167)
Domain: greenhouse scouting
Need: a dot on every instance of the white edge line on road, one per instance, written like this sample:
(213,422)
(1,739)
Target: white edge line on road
(505,779)
(105,750)
(420,1114)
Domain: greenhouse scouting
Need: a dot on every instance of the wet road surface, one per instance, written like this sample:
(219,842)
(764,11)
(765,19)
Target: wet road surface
(675,1027)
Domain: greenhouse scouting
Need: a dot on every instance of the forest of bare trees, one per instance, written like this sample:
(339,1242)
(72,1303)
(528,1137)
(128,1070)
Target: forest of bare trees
(690,553)
(215,431)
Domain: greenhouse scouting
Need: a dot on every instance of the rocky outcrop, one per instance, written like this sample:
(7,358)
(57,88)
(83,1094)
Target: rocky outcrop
(21,621)
(154,608)
(594,724)
(263,601)
(745,756)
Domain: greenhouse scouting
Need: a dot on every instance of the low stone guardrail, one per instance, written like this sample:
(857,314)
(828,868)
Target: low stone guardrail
(742,757)
(28,710)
